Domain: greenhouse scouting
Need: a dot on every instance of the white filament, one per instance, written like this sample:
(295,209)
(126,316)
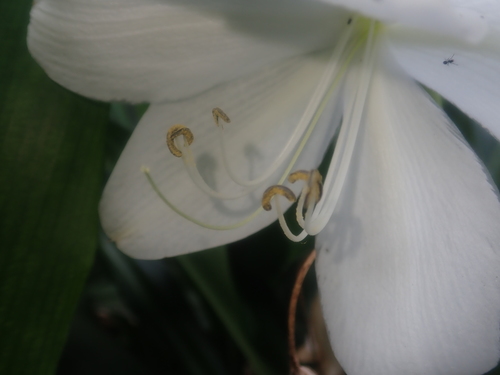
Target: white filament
(325,83)
(337,171)
(284,226)
(317,214)
(190,164)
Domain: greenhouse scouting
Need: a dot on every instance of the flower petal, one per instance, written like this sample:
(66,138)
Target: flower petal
(409,264)
(153,51)
(471,82)
(264,109)
(433,15)
(489,10)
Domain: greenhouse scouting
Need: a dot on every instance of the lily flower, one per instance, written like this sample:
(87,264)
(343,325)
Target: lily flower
(247,96)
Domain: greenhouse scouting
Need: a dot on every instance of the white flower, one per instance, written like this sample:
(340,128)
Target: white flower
(408,222)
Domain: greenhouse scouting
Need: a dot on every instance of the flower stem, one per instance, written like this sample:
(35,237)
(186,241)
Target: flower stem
(294,361)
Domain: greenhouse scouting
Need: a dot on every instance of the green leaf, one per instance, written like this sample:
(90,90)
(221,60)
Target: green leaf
(168,322)
(51,158)
(210,272)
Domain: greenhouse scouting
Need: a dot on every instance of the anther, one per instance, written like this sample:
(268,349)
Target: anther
(174,132)
(316,188)
(314,180)
(219,113)
(272,191)
(299,175)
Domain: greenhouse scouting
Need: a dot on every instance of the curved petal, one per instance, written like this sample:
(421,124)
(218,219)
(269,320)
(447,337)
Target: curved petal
(434,15)
(264,109)
(471,81)
(409,264)
(488,9)
(157,50)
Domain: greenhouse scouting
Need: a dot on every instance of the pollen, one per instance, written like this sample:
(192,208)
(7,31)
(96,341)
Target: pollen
(276,190)
(219,113)
(174,132)
(314,186)
(299,175)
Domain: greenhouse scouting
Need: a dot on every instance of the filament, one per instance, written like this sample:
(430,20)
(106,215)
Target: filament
(200,223)
(337,171)
(313,211)
(284,226)
(308,119)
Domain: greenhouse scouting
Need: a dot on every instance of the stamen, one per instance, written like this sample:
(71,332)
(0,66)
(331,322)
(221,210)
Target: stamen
(316,210)
(314,185)
(184,151)
(315,188)
(299,211)
(299,175)
(219,113)
(337,171)
(284,226)
(174,132)
(310,195)
(274,190)
(327,85)
(200,223)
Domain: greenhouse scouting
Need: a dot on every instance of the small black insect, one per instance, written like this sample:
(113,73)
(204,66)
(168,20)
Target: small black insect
(349,21)
(450,60)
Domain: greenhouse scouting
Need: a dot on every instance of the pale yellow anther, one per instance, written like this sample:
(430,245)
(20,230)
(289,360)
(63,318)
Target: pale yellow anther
(219,113)
(272,191)
(315,188)
(314,184)
(299,175)
(174,132)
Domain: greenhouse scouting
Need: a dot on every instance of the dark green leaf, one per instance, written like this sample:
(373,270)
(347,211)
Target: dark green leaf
(210,271)
(51,157)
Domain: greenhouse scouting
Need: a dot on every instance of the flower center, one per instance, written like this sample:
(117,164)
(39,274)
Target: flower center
(316,202)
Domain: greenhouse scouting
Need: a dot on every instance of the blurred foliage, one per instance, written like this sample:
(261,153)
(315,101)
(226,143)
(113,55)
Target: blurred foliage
(51,169)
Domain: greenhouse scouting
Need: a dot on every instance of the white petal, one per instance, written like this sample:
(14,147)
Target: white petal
(433,15)
(152,51)
(409,265)
(472,82)
(489,10)
(264,108)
